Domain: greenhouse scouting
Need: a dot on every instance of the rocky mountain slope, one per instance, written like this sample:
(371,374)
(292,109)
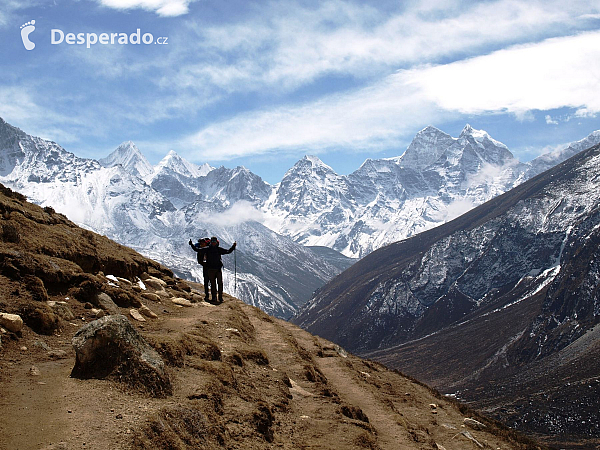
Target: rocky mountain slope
(234,377)
(504,299)
(155,210)
(124,198)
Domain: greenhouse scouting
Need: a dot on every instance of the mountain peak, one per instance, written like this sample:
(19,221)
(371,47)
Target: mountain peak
(129,156)
(178,164)
(314,160)
(480,136)
(468,129)
(425,148)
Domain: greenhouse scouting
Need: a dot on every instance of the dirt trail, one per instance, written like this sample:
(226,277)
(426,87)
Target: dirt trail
(241,379)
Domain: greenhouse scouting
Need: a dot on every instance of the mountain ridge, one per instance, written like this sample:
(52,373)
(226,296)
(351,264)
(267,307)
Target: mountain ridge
(240,378)
(492,296)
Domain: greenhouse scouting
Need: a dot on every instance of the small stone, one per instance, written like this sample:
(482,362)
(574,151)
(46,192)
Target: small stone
(34,371)
(181,301)
(474,424)
(57,354)
(42,345)
(163,293)
(97,313)
(119,416)
(136,315)
(151,296)
(147,312)
(88,305)
(433,405)
(23,349)
(155,283)
(124,281)
(12,322)
(104,301)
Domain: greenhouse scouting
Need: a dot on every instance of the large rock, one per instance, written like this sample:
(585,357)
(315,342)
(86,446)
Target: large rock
(12,322)
(111,348)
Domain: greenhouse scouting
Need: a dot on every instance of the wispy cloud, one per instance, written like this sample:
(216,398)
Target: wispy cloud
(167,8)
(552,74)
(287,45)
(240,212)
(555,73)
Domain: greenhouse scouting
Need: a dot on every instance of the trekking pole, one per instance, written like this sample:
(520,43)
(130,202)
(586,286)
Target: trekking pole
(235,272)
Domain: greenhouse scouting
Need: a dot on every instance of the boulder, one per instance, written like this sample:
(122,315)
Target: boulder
(111,348)
(12,322)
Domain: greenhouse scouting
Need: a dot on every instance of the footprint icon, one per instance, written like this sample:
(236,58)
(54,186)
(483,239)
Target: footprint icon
(26,30)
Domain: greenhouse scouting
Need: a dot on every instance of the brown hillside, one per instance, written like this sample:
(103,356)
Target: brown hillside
(241,379)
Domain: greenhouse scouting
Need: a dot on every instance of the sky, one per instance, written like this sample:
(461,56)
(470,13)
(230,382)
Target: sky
(262,83)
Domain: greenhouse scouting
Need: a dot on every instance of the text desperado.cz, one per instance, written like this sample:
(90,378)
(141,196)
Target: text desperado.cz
(58,37)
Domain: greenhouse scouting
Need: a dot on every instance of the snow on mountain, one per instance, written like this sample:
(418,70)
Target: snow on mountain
(273,272)
(130,157)
(438,178)
(505,296)
(228,186)
(548,160)
(176,164)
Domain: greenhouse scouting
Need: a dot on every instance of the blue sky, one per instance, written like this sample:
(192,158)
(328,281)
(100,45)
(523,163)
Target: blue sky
(261,83)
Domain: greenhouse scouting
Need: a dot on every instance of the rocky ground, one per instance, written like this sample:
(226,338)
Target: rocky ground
(234,377)
(241,379)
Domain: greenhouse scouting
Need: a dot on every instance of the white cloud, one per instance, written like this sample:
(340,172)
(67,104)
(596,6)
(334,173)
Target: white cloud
(167,8)
(240,212)
(288,45)
(559,72)
(369,118)
(550,120)
(552,74)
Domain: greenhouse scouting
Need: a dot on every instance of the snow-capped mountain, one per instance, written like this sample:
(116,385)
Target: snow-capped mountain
(437,178)
(505,296)
(273,272)
(173,163)
(130,157)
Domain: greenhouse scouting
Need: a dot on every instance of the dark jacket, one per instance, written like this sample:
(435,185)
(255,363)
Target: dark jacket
(213,256)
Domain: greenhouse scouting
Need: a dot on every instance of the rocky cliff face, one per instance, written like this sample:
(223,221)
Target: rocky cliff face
(491,296)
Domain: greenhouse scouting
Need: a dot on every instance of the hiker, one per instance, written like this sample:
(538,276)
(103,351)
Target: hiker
(213,265)
(202,243)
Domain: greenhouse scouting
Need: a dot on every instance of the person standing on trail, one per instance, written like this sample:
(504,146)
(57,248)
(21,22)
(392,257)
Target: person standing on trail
(202,243)
(213,265)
